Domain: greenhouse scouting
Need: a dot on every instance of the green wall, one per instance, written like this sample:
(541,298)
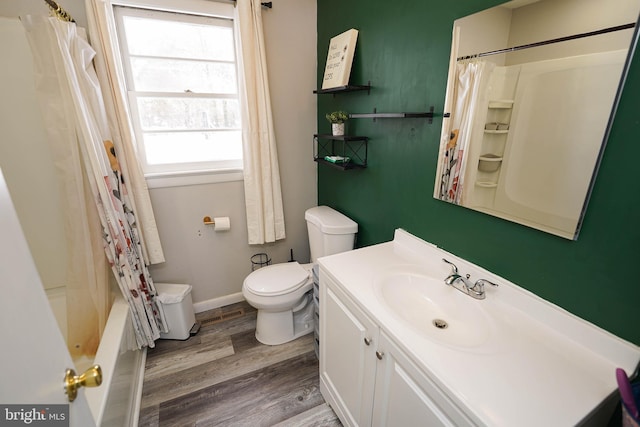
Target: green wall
(403,49)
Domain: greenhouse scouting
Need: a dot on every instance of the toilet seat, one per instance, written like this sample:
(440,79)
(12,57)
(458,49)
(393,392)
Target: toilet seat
(277,279)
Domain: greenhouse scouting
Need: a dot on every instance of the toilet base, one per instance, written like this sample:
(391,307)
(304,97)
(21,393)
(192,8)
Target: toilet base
(274,328)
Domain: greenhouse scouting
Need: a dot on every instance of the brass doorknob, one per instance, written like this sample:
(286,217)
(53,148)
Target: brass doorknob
(92,377)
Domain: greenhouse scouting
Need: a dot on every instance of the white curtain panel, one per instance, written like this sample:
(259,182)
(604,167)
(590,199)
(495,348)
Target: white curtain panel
(74,79)
(101,27)
(262,192)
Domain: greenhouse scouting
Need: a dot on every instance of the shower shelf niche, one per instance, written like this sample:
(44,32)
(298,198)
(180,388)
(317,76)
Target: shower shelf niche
(497,124)
(498,114)
(486,184)
(489,162)
(501,103)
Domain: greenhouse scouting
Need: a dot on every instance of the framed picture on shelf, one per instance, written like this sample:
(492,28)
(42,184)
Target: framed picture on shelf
(339,59)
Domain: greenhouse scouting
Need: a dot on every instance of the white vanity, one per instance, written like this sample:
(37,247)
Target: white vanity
(398,347)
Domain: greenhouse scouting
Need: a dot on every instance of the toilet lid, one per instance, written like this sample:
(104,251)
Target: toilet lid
(277,279)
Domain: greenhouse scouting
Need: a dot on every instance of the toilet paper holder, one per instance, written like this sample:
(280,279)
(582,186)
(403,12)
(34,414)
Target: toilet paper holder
(223,223)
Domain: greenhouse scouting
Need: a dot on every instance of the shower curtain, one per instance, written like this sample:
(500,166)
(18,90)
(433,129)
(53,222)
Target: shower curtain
(468,94)
(105,60)
(68,82)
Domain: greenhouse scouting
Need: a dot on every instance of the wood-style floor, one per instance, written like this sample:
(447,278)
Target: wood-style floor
(224,377)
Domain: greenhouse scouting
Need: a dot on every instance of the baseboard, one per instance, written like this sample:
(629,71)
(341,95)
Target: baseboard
(210,304)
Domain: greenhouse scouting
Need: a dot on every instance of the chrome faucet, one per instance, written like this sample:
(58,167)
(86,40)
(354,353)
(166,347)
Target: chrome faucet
(464,285)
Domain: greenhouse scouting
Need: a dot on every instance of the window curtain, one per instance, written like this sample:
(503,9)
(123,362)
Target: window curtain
(101,29)
(263,196)
(467,86)
(72,77)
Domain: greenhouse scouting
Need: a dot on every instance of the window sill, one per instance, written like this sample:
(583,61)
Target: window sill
(184,179)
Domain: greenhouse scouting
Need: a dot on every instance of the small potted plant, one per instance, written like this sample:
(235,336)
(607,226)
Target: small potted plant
(337,119)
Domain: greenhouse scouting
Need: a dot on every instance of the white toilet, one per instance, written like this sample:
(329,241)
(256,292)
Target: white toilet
(283,293)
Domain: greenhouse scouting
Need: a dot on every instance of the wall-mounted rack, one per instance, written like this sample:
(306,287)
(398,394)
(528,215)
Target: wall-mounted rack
(375,115)
(347,88)
(351,146)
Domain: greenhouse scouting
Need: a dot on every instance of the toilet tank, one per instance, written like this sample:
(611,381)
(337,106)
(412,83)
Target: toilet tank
(330,232)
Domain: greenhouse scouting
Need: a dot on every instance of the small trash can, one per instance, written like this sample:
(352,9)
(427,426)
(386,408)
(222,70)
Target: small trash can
(261,260)
(178,310)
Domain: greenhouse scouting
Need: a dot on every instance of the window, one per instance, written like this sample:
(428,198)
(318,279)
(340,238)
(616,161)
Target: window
(181,77)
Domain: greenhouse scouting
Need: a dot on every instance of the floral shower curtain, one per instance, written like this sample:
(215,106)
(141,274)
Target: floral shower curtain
(105,60)
(73,77)
(469,87)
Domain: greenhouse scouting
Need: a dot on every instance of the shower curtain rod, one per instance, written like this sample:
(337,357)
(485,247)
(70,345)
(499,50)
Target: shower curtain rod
(546,42)
(60,12)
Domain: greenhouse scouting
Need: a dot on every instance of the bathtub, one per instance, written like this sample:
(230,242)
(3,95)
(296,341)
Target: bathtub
(550,153)
(116,403)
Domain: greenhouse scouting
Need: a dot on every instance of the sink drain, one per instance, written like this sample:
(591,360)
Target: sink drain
(440,324)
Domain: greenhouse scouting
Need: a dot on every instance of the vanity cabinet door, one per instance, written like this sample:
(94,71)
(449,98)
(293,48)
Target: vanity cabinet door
(347,356)
(404,396)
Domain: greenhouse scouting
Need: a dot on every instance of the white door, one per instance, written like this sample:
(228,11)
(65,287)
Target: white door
(33,355)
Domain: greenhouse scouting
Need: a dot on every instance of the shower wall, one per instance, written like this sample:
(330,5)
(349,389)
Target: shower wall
(550,153)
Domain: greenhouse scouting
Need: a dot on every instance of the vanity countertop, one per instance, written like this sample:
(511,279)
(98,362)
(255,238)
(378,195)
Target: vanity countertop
(536,364)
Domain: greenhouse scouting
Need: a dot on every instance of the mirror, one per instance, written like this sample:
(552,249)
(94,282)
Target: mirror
(531,89)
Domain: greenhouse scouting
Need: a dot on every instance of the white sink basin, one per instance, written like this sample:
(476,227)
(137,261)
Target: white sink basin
(435,310)
(510,354)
